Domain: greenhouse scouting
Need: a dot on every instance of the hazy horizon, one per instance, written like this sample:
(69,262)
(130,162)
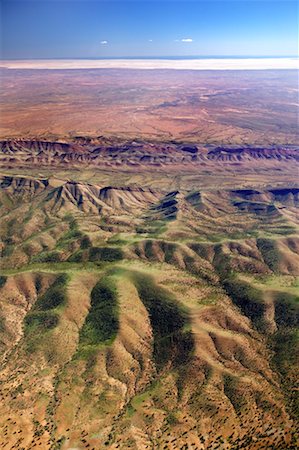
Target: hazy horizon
(157,63)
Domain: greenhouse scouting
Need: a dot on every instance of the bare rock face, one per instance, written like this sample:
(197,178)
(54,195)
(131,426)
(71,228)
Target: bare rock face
(77,152)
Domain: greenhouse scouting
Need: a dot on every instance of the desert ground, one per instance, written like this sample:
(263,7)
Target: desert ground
(216,107)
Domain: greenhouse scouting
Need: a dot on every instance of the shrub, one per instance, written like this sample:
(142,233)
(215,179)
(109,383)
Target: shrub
(105,254)
(2,325)
(247,298)
(68,237)
(270,253)
(167,320)
(85,242)
(43,316)
(54,296)
(53,256)
(44,320)
(76,257)
(284,344)
(286,309)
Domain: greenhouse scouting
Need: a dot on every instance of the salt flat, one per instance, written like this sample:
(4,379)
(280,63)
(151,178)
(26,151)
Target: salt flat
(178,64)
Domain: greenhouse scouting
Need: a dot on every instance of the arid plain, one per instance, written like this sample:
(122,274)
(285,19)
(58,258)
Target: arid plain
(217,107)
(149,269)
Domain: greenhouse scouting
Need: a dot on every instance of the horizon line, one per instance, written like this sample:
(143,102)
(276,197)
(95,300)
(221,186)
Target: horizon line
(157,64)
(179,57)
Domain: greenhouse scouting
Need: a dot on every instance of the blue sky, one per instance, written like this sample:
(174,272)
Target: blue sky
(75,28)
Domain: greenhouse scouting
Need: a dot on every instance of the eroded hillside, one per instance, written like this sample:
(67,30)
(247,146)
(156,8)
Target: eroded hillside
(147,315)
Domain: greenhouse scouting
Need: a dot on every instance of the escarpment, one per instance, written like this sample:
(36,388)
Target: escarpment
(100,152)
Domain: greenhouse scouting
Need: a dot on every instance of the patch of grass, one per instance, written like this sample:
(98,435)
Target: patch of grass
(56,267)
(117,240)
(168,320)
(105,254)
(270,253)
(101,324)
(154,228)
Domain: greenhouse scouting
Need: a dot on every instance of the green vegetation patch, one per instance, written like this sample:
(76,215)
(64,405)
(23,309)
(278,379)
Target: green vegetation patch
(168,249)
(55,296)
(222,262)
(71,235)
(8,250)
(44,315)
(169,322)
(41,320)
(285,346)
(247,298)
(52,256)
(76,257)
(101,324)
(105,254)
(85,242)
(270,253)
(230,385)
(2,325)
(71,220)
(286,309)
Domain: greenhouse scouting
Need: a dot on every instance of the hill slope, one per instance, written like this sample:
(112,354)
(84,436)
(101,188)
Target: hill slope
(145,317)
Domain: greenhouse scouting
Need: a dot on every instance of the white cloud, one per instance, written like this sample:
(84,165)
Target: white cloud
(187,40)
(104,42)
(150,40)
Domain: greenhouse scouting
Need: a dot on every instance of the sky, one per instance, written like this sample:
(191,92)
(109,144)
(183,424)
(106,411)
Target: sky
(108,28)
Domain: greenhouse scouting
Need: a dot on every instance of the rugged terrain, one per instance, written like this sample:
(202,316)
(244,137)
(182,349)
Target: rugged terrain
(149,295)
